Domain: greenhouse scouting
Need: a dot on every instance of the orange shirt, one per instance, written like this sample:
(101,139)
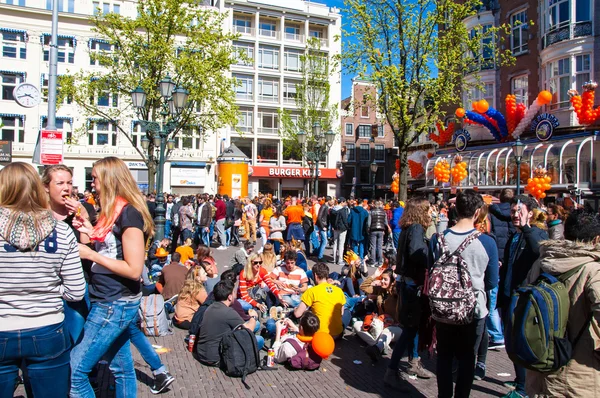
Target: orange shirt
(294,214)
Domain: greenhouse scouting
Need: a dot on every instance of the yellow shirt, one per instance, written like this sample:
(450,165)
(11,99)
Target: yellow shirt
(267,213)
(326,302)
(186,253)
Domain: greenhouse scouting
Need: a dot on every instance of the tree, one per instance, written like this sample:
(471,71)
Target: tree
(313,95)
(416,52)
(180,38)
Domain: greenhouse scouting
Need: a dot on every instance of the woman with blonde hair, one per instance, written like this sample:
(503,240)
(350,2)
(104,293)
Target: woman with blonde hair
(251,293)
(269,257)
(39,267)
(114,285)
(191,297)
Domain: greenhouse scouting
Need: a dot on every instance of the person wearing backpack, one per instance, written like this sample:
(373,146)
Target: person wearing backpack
(522,250)
(579,253)
(294,348)
(459,304)
(339,223)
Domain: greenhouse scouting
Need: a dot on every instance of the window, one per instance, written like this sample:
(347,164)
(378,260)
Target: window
(379,152)
(243,89)
(349,175)
(99,48)
(558,82)
(484,58)
(245,49)
(66,49)
(245,120)
(12,129)
(365,175)
(292,60)
(380,131)
(364,131)
(9,82)
(268,90)
(520,86)
(16,2)
(101,132)
(292,32)
(268,122)
(116,8)
(14,44)
(365,152)
(62,124)
(61,5)
(582,11)
(486,93)
(582,71)
(88,178)
(558,14)
(104,7)
(318,33)
(350,129)
(268,57)
(67,100)
(350,152)
(364,111)
(267,150)
(267,28)
(519,35)
(139,131)
(242,24)
(289,92)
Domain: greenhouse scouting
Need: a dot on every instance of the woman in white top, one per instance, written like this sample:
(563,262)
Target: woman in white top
(277,226)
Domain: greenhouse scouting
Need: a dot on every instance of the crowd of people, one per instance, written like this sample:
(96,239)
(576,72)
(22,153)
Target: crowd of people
(74,269)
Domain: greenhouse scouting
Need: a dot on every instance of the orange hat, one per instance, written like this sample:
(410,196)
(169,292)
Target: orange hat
(160,252)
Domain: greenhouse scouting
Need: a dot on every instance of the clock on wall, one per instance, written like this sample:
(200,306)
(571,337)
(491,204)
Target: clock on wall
(27,95)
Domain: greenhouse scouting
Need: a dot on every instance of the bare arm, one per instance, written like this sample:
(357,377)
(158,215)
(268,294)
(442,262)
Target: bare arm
(300,310)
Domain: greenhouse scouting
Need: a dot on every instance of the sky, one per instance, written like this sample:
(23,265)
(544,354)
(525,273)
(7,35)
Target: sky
(346,78)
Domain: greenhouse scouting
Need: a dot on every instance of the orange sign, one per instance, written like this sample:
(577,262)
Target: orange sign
(290,172)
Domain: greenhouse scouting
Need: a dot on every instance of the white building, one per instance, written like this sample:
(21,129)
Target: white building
(273,35)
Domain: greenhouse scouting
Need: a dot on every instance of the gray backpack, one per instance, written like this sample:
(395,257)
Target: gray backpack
(153,316)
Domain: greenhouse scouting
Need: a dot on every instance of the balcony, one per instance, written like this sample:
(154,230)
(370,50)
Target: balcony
(244,30)
(244,96)
(480,64)
(269,98)
(269,33)
(294,37)
(567,32)
(268,130)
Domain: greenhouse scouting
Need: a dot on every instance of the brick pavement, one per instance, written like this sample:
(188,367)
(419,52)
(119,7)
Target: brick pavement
(338,376)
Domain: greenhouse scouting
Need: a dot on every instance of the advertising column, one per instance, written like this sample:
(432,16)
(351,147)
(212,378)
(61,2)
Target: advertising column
(233,172)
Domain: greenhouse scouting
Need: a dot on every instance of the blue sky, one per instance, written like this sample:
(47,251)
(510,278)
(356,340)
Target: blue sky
(346,79)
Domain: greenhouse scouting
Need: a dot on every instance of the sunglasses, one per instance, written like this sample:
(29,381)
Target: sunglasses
(256,262)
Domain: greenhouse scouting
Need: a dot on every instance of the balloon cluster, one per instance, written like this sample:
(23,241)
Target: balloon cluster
(543,98)
(539,184)
(514,112)
(486,116)
(395,188)
(584,104)
(416,168)
(441,171)
(444,135)
(459,171)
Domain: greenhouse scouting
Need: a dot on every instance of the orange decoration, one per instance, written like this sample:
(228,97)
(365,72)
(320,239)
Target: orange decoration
(441,171)
(323,344)
(584,105)
(444,136)
(416,168)
(544,97)
(459,171)
(460,112)
(538,185)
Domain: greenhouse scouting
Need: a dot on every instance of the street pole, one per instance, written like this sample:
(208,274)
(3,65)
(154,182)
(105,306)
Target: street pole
(518,176)
(159,219)
(316,190)
(52,72)
(373,189)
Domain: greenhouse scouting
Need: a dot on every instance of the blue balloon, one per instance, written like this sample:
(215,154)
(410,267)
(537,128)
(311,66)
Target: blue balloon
(479,119)
(499,118)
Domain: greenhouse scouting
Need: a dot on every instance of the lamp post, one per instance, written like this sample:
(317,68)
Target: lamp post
(518,148)
(320,143)
(174,100)
(374,167)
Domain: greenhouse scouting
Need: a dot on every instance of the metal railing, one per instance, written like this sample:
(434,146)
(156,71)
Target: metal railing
(245,30)
(267,130)
(269,33)
(268,98)
(567,32)
(294,37)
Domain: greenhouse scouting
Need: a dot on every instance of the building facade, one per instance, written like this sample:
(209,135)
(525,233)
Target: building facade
(272,35)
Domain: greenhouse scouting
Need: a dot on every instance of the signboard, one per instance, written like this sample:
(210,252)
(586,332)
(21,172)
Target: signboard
(137,165)
(291,172)
(51,147)
(189,177)
(236,185)
(5,152)
(543,126)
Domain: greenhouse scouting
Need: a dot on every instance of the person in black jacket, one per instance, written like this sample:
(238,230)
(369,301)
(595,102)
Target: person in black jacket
(521,251)
(412,262)
(502,229)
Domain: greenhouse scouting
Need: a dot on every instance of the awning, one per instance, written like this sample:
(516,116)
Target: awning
(13,115)
(197,165)
(44,35)
(14,72)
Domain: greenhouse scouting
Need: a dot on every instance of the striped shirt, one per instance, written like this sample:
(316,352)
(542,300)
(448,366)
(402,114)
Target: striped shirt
(246,285)
(34,283)
(296,278)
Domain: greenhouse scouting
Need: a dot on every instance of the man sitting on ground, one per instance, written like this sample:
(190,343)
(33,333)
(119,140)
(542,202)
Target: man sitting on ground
(326,302)
(219,319)
(172,278)
(290,279)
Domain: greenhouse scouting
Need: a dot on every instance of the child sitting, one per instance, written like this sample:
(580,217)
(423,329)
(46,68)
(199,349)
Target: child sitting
(289,337)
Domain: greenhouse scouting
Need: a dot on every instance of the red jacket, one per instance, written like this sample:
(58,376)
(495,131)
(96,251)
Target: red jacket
(221,210)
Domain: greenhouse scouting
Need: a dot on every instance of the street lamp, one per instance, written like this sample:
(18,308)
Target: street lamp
(174,101)
(374,167)
(518,148)
(320,145)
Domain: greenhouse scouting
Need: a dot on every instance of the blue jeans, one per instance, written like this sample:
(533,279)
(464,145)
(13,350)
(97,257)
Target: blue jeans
(376,240)
(211,231)
(293,300)
(347,285)
(349,309)
(321,244)
(75,314)
(205,236)
(106,335)
(395,239)
(185,234)
(141,342)
(167,228)
(246,306)
(44,352)
(295,231)
(358,247)
(494,324)
(276,246)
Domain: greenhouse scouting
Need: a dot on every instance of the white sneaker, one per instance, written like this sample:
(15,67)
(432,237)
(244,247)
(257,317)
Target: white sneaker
(222,248)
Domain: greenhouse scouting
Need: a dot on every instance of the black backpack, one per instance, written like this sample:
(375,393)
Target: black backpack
(239,353)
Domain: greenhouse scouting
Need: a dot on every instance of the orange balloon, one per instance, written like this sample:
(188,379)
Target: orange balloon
(544,97)
(476,106)
(323,344)
(483,106)
(460,112)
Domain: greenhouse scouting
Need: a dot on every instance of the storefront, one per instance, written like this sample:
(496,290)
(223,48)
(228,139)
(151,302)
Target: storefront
(291,181)
(139,171)
(571,161)
(188,178)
